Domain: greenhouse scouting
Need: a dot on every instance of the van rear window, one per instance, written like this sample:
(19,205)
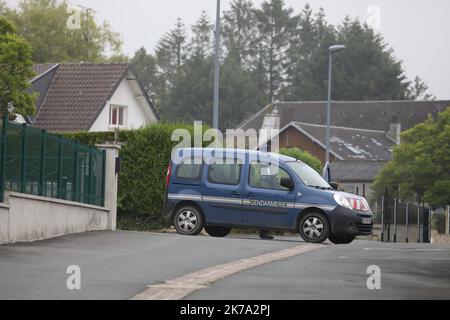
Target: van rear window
(189,170)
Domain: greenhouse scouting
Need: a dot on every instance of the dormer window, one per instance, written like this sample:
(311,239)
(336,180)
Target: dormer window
(117,116)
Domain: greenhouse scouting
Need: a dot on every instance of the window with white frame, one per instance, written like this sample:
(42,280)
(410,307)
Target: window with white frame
(117,116)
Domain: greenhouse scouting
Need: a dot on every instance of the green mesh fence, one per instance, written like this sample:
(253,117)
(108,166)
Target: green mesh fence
(35,162)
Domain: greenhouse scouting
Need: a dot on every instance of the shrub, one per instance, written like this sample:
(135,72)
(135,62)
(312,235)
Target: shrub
(304,156)
(145,156)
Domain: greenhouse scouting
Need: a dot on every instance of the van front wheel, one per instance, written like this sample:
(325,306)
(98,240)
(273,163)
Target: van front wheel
(188,221)
(314,227)
(218,232)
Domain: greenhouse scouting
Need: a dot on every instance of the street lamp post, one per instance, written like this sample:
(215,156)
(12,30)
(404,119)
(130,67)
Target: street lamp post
(217,71)
(331,50)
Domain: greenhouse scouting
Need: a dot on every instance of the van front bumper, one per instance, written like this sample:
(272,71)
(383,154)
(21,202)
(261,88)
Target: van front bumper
(351,222)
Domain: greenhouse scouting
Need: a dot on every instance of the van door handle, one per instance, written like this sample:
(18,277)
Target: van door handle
(236,193)
(250,195)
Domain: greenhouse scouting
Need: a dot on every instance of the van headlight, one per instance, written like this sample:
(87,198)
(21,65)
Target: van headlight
(342,201)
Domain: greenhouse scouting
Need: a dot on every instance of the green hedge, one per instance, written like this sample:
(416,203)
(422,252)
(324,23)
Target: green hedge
(145,156)
(304,156)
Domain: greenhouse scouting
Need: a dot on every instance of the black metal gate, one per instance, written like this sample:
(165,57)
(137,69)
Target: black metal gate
(405,222)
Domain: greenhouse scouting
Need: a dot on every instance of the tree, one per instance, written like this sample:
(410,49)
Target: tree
(418,90)
(3,8)
(366,70)
(171,50)
(304,156)
(275,24)
(44,24)
(202,37)
(239,33)
(307,57)
(15,72)
(145,67)
(420,165)
(191,97)
(239,95)
(170,54)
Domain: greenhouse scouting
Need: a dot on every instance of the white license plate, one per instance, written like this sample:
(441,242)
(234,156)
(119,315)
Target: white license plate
(367,220)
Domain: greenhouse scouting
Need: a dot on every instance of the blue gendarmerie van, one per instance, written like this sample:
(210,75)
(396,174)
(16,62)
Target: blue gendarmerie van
(221,189)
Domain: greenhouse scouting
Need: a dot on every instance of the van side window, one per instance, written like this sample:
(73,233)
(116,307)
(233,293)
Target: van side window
(225,173)
(266,176)
(189,170)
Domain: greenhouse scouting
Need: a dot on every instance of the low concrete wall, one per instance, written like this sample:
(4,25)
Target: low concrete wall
(28,218)
(4,223)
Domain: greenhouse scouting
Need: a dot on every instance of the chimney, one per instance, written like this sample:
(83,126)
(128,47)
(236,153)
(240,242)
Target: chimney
(270,130)
(272,120)
(395,129)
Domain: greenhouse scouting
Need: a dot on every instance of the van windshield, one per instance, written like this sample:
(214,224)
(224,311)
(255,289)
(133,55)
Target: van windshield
(309,176)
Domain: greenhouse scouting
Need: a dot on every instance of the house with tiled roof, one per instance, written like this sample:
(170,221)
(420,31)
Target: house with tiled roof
(89,97)
(362,134)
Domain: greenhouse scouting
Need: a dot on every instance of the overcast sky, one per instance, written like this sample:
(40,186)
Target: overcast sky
(417,30)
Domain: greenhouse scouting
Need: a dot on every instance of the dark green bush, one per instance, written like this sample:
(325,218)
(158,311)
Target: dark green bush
(304,156)
(145,156)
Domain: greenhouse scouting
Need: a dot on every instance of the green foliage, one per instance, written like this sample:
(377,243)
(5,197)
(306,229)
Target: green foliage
(145,156)
(15,71)
(421,164)
(44,24)
(269,51)
(304,156)
(275,29)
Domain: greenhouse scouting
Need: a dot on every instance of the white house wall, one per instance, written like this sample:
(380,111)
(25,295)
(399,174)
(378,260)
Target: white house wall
(137,114)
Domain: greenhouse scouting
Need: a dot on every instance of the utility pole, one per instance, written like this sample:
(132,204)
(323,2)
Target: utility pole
(217,71)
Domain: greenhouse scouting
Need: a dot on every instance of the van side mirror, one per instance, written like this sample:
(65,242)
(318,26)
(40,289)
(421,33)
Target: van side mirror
(334,185)
(287,183)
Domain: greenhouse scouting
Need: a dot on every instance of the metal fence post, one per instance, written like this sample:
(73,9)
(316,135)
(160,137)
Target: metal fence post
(3,160)
(395,219)
(382,218)
(75,173)
(418,223)
(24,159)
(91,172)
(430,216)
(103,177)
(60,167)
(447,221)
(407,221)
(42,190)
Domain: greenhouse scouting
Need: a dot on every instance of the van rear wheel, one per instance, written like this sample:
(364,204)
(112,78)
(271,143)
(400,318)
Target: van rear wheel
(341,239)
(314,227)
(218,232)
(188,221)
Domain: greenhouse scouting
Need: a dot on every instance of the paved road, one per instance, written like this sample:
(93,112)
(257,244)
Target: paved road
(115,265)
(408,271)
(119,265)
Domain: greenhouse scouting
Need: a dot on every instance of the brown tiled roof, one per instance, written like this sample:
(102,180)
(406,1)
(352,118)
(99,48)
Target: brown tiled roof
(351,143)
(77,95)
(375,115)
